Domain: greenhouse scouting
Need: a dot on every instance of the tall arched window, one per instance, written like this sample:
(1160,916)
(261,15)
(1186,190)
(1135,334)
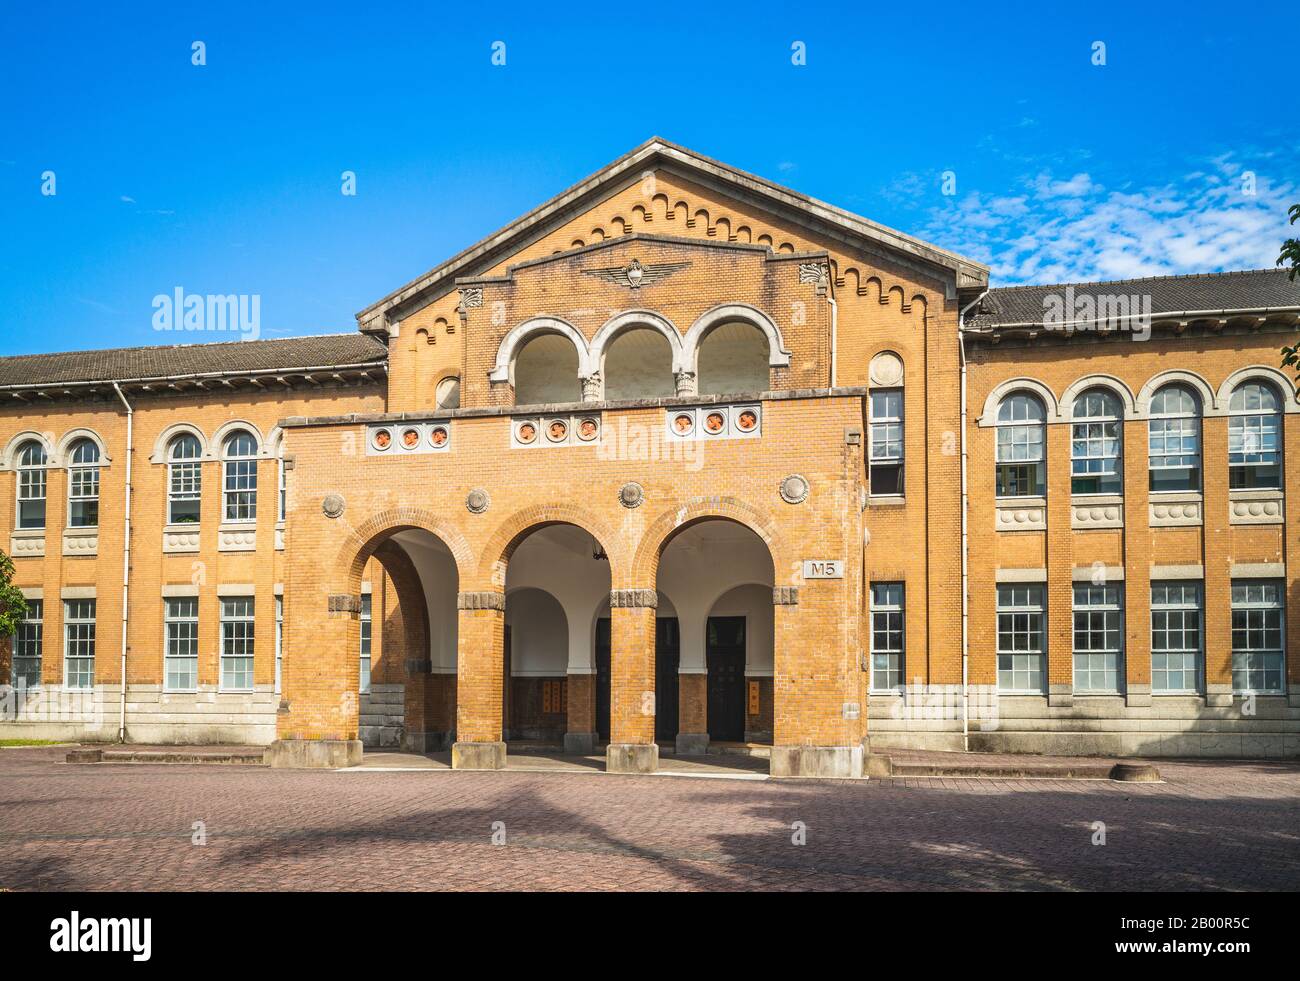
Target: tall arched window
(1095,444)
(1021,447)
(239,481)
(83,484)
(31,485)
(1174,439)
(184,479)
(1254,437)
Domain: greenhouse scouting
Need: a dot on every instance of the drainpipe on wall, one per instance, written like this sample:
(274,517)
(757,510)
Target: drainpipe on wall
(835,329)
(965,574)
(126,551)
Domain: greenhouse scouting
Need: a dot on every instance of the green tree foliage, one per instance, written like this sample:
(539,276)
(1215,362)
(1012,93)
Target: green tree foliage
(12,605)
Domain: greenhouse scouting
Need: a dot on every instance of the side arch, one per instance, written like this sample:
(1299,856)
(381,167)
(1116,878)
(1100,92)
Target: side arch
(170,433)
(495,556)
(1259,372)
(989,416)
(611,328)
(777,354)
(1108,382)
(71,436)
(366,538)
(1209,404)
(513,341)
(10,457)
(644,568)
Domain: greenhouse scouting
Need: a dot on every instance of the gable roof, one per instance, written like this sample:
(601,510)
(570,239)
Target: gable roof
(853,229)
(1206,294)
(173,361)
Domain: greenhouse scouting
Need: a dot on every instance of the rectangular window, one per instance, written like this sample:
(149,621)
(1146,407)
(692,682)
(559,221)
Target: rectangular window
(1254,451)
(31,497)
(184,488)
(28,643)
(79,643)
(365,642)
(1174,447)
(886,636)
(1021,638)
(181,629)
(282,489)
(1020,459)
(886,476)
(1094,458)
(1257,658)
(1176,638)
(83,497)
(279,644)
(241,490)
(237,643)
(1098,638)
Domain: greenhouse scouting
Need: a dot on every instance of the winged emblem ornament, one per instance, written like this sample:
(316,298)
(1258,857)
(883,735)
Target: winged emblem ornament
(635,275)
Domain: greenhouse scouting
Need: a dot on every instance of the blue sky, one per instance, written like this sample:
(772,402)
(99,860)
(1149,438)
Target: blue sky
(225,178)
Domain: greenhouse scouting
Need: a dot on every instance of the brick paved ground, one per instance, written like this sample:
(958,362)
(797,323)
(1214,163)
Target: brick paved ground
(1211,825)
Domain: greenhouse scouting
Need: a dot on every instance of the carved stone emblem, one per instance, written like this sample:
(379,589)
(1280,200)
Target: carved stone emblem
(631,494)
(471,296)
(477,500)
(811,272)
(332,505)
(794,489)
(635,275)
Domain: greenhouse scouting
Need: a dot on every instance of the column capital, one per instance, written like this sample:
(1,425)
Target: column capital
(483,600)
(634,598)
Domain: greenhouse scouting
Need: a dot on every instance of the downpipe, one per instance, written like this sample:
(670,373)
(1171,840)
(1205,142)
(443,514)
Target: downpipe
(965,540)
(126,553)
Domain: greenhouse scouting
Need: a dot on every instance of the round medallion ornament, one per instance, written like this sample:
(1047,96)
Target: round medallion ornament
(438,436)
(526,433)
(556,430)
(382,439)
(477,500)
(886,370)
(747,420)
(794,489)
(587,429)
(411,438)
(332,505)
(714,422)
(683,423)
(631,494)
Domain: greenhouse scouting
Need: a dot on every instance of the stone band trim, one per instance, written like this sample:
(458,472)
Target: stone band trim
(1022,575)
(33,592)
(785,595)
(179,590)
(344,603)
(636,599)
(1109,573)
(485,600)
(77,592)
(1178,572)
(239,589)
(1257,570)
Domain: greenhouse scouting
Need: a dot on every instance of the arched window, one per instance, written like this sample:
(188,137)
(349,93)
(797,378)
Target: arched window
(1174,439)
(1254,437)
(83,484)
(1095,444)
(184,479)
(1021,447)
(239,481)
(31,485)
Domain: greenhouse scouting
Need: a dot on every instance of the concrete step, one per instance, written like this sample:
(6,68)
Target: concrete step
(969,765)
(238,756)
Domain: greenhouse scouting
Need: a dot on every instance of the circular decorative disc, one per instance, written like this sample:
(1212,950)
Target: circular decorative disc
(477,500)
(794,489)
(631,494)
(332,505)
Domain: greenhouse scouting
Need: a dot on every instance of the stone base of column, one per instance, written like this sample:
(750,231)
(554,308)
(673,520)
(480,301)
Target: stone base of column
(478,756)
(632,758)
(692,743)
(1218,696)
(1138,696)
(579,743)
(1060,696)
(844,762)
(427,742)
(317,754)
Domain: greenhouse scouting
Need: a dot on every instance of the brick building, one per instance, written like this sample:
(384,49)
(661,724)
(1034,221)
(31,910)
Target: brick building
(679,458)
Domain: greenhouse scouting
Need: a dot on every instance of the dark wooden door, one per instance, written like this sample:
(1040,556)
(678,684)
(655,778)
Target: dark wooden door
(668,657)
(725,655)
(602,678)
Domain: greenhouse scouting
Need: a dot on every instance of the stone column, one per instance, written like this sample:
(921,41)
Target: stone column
(480,682)
(632,746)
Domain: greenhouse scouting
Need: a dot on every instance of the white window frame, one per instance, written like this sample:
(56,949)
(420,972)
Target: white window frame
(1098,618)
(181,643)
(79,644)
(1254,438)
(367,641)
(238,636)
(184,478)
(33,483)
(28,647)
(1182,426)
(1097,442)
(239,479)
(1182,599)
(888,617)
(279,644)
(83,482)
(1020,441)
(1258,609)
(1019,605)
(886,440)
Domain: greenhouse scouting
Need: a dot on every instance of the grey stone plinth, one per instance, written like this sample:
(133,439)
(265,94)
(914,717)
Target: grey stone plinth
(478,756)
(844,762)
(692,743)
(317,754)
(579,743)
(426,742)
(632,758)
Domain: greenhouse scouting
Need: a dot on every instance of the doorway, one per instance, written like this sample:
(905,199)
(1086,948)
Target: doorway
(725,657)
